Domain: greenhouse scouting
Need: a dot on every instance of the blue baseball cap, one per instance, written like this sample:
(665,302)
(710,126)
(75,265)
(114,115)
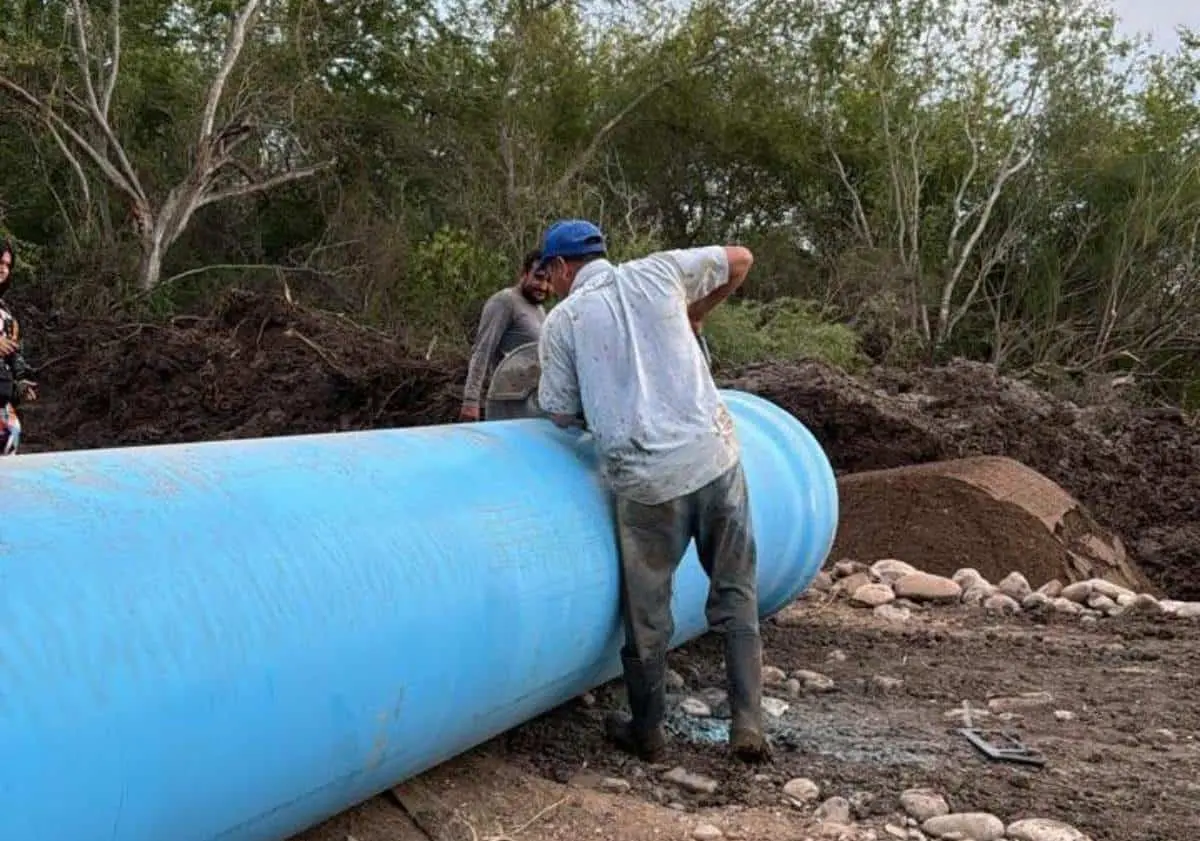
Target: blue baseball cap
(572,238)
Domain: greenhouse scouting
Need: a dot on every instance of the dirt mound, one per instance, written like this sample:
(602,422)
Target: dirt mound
(993,514)
(256,367)
(1137,471)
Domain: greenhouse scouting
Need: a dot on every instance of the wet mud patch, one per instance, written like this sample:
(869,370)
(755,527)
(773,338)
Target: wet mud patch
(866,738)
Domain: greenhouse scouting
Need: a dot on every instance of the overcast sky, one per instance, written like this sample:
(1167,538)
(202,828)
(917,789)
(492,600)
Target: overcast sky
(1159,18)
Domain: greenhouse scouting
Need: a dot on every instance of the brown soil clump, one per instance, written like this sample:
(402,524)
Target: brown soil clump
(1137,471)
(993,514)
(256,367)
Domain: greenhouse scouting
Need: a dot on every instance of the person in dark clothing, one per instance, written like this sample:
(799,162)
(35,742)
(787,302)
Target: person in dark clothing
(15,383)
(511,318)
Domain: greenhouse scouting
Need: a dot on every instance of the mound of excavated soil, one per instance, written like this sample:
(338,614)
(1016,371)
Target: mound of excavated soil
(1136,471)
(257,367)
(993,514)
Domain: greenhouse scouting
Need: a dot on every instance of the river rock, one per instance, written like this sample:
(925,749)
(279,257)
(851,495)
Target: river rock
(1051,589)
(695,783)
(1038,601)
(1107,588)
(1001,603)
(1144,604)
(852,583)
(846,567)
(921,804)
(886,684)
(1020,703)
(822,582)
(1077,592)
(969,577)
(1043,829)
(976,826)
(921,586)
(814,681)
(893,613)
(889,570)
(695,707)
(834,810)
(774,707)
(1189,610)
(801,791)
(707,832)
(1064,605)
(977,594)
(1015,586)
(873,595)
(773,676)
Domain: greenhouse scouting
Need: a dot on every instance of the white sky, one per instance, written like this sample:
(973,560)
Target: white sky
(1158,18)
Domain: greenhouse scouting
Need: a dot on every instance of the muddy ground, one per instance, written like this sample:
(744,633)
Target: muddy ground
(1124,767)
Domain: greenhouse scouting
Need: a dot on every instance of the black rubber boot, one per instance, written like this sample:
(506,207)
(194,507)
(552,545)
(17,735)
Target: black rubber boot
(641,734)
(743,672)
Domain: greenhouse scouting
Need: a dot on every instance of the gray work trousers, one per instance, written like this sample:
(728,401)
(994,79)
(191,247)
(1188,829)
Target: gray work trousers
(652,540)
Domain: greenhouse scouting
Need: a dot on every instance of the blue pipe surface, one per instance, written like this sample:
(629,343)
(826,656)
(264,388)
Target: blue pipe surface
(235,640)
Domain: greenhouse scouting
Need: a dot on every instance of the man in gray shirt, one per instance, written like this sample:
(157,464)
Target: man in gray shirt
(512,317)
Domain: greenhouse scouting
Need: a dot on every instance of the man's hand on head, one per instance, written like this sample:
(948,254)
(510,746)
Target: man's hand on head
(7,346)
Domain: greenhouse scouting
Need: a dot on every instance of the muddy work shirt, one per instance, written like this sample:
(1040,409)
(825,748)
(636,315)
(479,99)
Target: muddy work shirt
(620,350)
(509,320)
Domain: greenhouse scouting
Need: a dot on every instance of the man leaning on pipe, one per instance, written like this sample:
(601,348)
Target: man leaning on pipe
(15,384)
(619,354)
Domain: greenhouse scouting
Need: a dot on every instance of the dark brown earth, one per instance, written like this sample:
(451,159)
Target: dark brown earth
(1125,769)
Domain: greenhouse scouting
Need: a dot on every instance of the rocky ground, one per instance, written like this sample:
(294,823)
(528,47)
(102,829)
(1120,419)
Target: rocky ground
(867,693)
(870,673)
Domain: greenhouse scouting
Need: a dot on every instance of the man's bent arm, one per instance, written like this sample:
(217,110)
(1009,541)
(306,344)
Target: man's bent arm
(740,260)
(496,316)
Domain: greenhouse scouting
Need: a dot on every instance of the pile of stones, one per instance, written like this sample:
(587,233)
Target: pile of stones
(892,588)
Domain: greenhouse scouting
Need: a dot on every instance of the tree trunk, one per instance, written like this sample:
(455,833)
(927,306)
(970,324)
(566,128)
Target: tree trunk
(150,268)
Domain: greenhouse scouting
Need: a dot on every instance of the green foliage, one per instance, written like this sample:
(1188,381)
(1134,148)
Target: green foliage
(445,273)
(785,328)
(1010,180)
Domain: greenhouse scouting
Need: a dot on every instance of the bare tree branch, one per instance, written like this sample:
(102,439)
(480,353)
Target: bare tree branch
(233,49)
(100,117)
(271,183)
(585,157)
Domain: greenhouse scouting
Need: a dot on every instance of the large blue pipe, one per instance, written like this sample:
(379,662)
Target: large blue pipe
(236,640)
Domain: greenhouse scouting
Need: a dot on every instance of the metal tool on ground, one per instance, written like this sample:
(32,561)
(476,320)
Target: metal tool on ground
(999,746)
(1002,746)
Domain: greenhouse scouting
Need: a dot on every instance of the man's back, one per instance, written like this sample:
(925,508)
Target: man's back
(644,387)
